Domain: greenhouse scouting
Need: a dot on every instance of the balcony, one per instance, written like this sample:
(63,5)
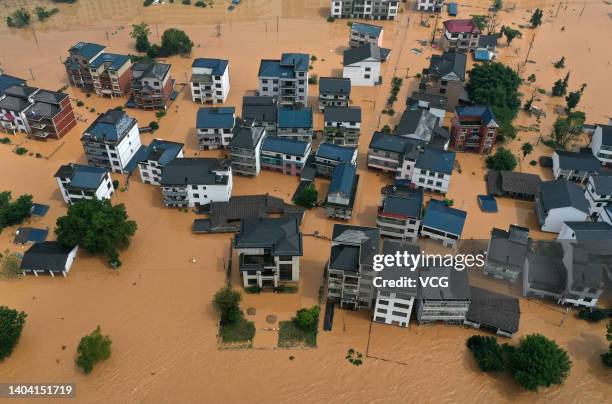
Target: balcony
(257,262)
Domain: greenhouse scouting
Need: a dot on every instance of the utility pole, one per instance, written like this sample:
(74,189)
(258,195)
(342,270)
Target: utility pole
(157,29)
(218,29)
(31,73)
(582,11)
(276,23)
(528,52)
(35,37)
(557,13)
(433,36)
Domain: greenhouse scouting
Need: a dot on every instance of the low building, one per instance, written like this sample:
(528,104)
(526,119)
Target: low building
(215,127)
(112,141)
(286,79)
(329,155)
(447,303)
(284,155)
(560,201)
(294,123)
(437,104)
(334,92)
(493,311)
(506,252)
(342,125)
(400,212)
(342,192)
(158,154)
(445,76)
(245,150)
(191,182)
(460,35)
(48,257)
(601,144)
(433,169)
(362,65)
(513,184)
(152,85)
(350,270)
(434,6)
(485,50)
(382,10)
(77,65)
(574,166)
(210,81)
(111,74)
(598,193)
(394,305)
(595,237)
(443,223)
(260,111)
(77,181)
(474,128)
(362,33)
(269,251)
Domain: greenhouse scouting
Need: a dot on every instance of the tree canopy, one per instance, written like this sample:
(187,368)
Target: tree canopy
(510,34)
(92,349)
(308,197)
(227,304)
(11,325)
(140,32)
(487,353)
(502,160)
(98,227)
(606,357)
(536,17)
(175,42)
(560,86)
(568,127)
(307,319)
(526,148)
(14,212)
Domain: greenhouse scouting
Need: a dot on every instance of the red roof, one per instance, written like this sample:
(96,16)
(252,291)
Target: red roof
(458,26)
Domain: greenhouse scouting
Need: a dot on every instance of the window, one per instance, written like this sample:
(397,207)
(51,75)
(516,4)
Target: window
(383,302)
(286,272)
(401,305)
(399,314)
(368,69)
(381,311)
(196,195)
(366,76)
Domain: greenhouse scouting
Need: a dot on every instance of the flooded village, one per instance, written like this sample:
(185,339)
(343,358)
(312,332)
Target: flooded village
(197,168)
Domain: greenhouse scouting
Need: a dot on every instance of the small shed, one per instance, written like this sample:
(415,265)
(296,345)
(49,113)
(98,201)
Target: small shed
(39,209)
(25,235)
(487,203)
(453,9)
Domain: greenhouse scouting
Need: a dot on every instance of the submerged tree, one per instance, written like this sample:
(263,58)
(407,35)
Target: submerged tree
(140,32)
(176,42)
(560,86)
(568,127)
(226,303)
(11,325)
(526,148)
(502,160)
(510,34)
(606,358)
(19,19)
(92,349)
(308,197)
(536,17)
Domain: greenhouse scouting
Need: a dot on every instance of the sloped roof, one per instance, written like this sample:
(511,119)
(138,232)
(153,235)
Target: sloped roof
(418,123)
(281,235)
(15,104)
(395,272)
(259,108)
(247,138)
(562,193)
(285,146)
(402,201)
(603,183)
(419,99)
(335,152)
(82,176)
(485,41)
(461,25)
(441,217)
(365,51)
(162,151)
(342,114)
(367,239)
(367,29)
(393,143)
(7,81)
(509,247)
(458,284)
(501,182)
(290,117)
(113,125)
(494,310)
(48,255)
(438,160)
(299,61)
(152,70)
(114,60)
(448,62)
(217,66)
(335,85)
(484,112)
(215,117)
(578,161)
(87,50)
(20,91)
(343,178)
(194,171)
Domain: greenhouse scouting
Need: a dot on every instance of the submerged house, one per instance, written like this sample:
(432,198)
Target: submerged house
(294,123)
(598,193)
(493,311)
(159,153)
(269,251)
(329,155)
(48,257)
(400,212)
(210,81)
(284,155)
(574,166)
(362,65)
(77,181)
(362,33)
(215,127)
(286,79)
(474,128)
(152,85)
(445,76)
(601,144)
(507,252)
(460,35)
(513,184)
(438,302)
(260,111)
(342,192)
(443,223)
(383,9)
(342,125)
(245,150)
(334,92)
(560,201)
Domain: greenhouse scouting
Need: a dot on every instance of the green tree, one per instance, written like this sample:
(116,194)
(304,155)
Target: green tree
(510,34)
(227,304)
(538,361)
(560,64)
(98,227)
(307,319)
(42,13)
(606,357)
(573,98)
(19,19)
(531,78)
(487,353)
(568,127)
(497,4)
(526,148)
(480,21)
(175,42)
(308,197)
(92,349)
(503,159)
(386,129)
(140,32)
(12,213)
(560,86)
(11,325)
(536,17)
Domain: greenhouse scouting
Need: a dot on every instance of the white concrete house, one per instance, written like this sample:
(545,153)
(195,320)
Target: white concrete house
(362,65)
(400,212)
(443,223)
(574,166)
(285,79)
(365,9)
(598,193)
(190,182)
(601,144)
(433,169)
(342,125)
(14,102)
(210,80)
(362,33)
(245,150)
(434,6)
(560,201)
(158,154)
(215,127)
(77,181)
(48,257)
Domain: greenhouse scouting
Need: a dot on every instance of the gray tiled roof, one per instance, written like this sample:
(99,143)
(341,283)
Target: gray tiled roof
(562,193)
(281,235)
(342,114)
(509,247)
(365,51)
(494,310)
(578,161)
(247,138)
(603,183)
(48,256)
(448,62)
(403,201)
(458,284)
(335,85)
(394,272)
(366,238)
(194,171)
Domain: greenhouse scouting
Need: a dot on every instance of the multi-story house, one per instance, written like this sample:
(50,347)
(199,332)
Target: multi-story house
(400,212)
(342,125)
(111,74)
(192,181)
(445,76)
(269,251)
(474,128)
(77,64)
(393,154)
(294,123)
(601,144)
(329,155)
(460,35)
(284,155)
(350,271)
(365,9)
(417,123)
(362,65)
(507,252)
(152,85)
(260,111)
(50,115)
(112,141)
(598,193)
(435,6)
(433,169)
(574,166)
(435,103)
(447,303)
(215,127)
(443,223)
(285,79)
(560,201)
(210,81)
(334,92)
(362,33)
(485,51)
(77,181)
(14,102)
(342,191)
(245,149)
(394,305)
(158,154)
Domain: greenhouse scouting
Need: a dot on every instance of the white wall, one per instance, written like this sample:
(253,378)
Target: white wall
(554,221)
(357,73)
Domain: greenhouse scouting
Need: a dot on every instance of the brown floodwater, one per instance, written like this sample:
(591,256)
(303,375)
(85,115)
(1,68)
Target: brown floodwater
(157,306)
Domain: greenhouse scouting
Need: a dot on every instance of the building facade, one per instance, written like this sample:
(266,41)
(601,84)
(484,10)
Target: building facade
(111,75)
(342,191)
(474,128)
(286,79)
(506,253)
(601,144)
(342,125)
(245,150)
(362,65)
(329,155)
(77,64)
(284,155)
(598,193)
(449,303)
(365,9)
(159,153)
(334,92)
(152,86)
(77,181)
(210,80)
(294,123)
(365,33)
(460,35)
(215,127)
(400,212)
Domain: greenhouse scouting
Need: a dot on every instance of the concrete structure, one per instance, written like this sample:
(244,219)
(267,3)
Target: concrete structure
(77,65)
(334,92)
(192,182)
(111,74)
(158,154)
(485,50)
(449,303)
(245,149)
(560,201)
(460,35)
(48,257)
(437,104)
(400,212)
(260,111)
(210,80)
(342,192)
(152,85)
(215,127)
(443,223)
(601,144)
(329,155)
(285,79)
(294,123)
(433,169)
(474,129)
(14,102)
(365,9)
(598,193)
(284,155)
(77,181)
(362,33)
(434,6)
(362,65)
(506,252)
(445,76)
(112,141)
(394,154)
(574,166)
(269,251)
(342,125)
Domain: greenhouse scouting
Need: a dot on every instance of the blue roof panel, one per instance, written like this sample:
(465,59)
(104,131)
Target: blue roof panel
(343,178)
(289,117)
(87,50)
(287,146)
(441,217)
(334,152)
(7,81)
(213,117)
(217,66)
(115,60)
(367,29)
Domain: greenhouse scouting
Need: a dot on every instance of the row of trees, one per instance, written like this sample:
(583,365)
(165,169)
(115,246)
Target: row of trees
(173,42)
